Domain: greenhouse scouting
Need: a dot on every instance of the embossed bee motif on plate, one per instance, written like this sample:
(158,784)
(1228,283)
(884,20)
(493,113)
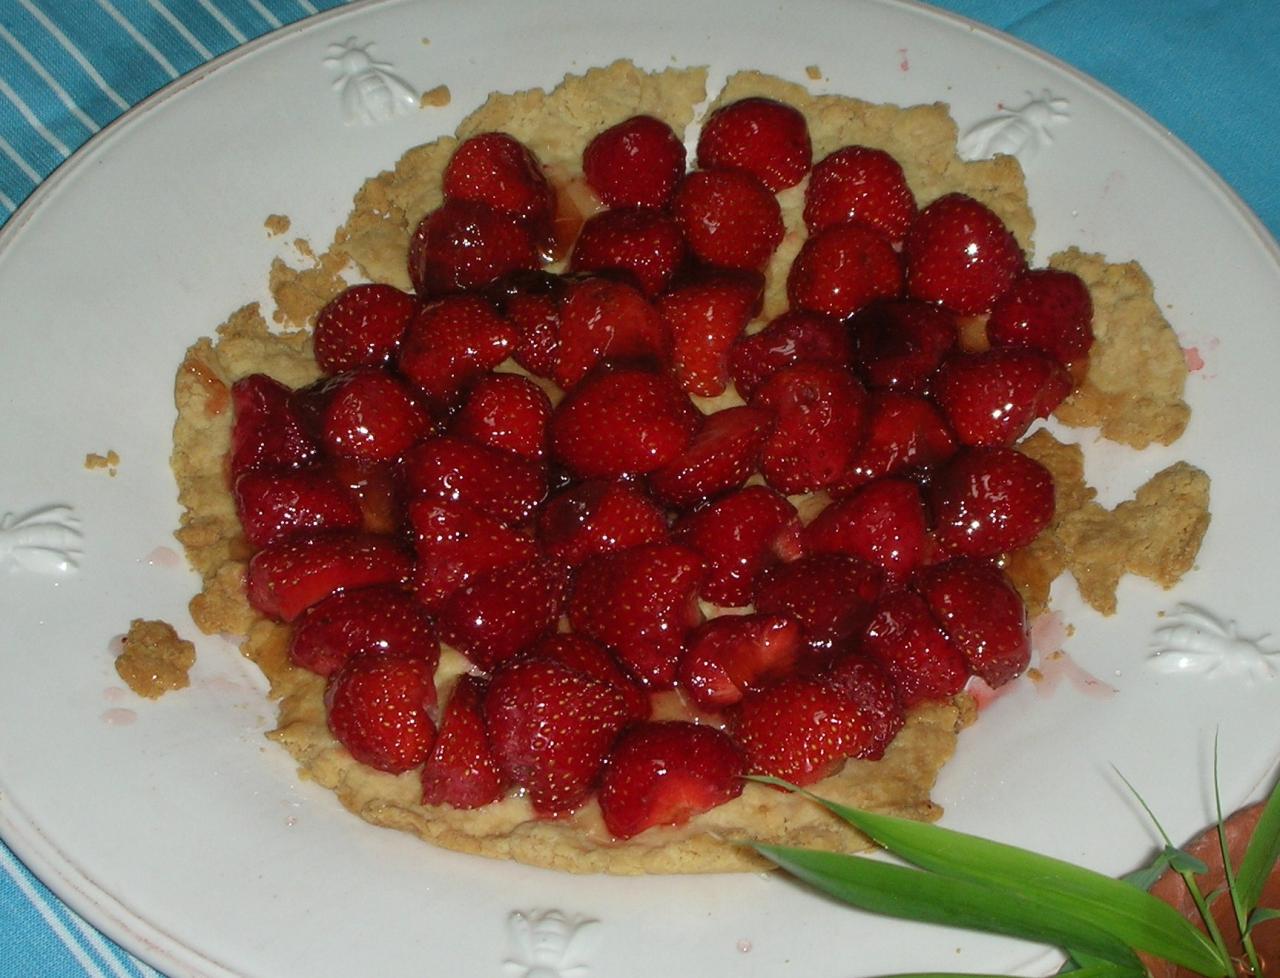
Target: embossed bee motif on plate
(1194,640)
(1020,132)
(370,91)
(547,944)
(45,540)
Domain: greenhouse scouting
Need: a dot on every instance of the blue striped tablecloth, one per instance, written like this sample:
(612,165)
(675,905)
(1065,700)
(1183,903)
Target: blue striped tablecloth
(1209,70)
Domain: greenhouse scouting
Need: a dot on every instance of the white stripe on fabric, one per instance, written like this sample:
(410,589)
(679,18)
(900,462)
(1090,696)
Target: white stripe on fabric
(181,28)
(305,5)
(49,80)
(96,941)
(21,164)
(33,120)
(267,15)
(222,19)
(72,50)
(50,917)
(137,36)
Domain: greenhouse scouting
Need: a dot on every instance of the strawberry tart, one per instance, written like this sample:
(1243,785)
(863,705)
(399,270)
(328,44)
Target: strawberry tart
(585,473)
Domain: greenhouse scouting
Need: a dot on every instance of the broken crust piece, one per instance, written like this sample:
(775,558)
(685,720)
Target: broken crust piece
(1155,535)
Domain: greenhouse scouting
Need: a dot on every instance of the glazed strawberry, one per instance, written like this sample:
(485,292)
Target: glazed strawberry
(462,771)
(380,619)
(551,727)
(622,422)
(530,302)
(500,171)
(372,416)
(791,338)
(705,317)
(863,680)
(831,595)
(508,412)
(601,318)
(636,163)
(729,218)
(499,484)
(841,269)
(598,517)
(378,489)
(593,659)
(732,655)
(738,535)
(904,638)
(992,398)
(983,615)
(989,501)
(455,543)
(764,137)
(961,255)
(276,503)
(1047,310)
(665,774)
(883,523)
(498,613)
(905,434)
(361,327)
(721,456)
(646,244)
(378,707)
(821,418)
(862,184)
(291,575)
(269,429)
(802,730)
(466,244)
(452,342)
(641,603)
(900,343)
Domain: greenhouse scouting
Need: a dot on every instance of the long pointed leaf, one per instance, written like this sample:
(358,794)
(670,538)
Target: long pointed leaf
(885,888)
(1135,917)
(1260,856)
(1093,971)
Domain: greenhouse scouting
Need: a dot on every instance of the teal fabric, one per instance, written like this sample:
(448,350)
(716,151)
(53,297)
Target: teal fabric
(1208,70)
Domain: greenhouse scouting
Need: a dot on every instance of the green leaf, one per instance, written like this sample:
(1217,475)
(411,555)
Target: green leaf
(1260,914)
(1184,862)
(1260,856)
(1132,916)
(1093,971)
(898,891)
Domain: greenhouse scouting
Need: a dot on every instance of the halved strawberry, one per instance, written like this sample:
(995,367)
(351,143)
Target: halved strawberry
(720,457)
(905,638)
(378,488)
(645,243)
(508,412)
(498,613)
(831,595)
(456,543)
(863,680)
(900,343)
(842,268)
(983,615)
(1045,309)
(791,338)
(883,522)
(738,535)
(530,302)
(450,343)
(803,729)
(989,501)
(992,398)
(361,327)
(764,137)
(602,318)
(466,244)
(733,655)
(596,661)
(641,603)
(729,218)
(636,163)
(378,708)
(666,773)
(276,503)
(500,484)
(462,771)
(269,429)
(859,183)
(551,727)
(961,255)
(705,316)
(372,416)
(379,619)
(291,575)
(821,418)
(905,434)
(598,517)
(496,169)
(622,422)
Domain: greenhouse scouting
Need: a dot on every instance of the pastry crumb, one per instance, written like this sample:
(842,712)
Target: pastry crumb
(814,72)
(436,98)
(277,224)
(110,461)
(154,660)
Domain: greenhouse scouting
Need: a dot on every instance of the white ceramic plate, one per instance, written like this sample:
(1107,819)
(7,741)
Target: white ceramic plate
(177,829)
